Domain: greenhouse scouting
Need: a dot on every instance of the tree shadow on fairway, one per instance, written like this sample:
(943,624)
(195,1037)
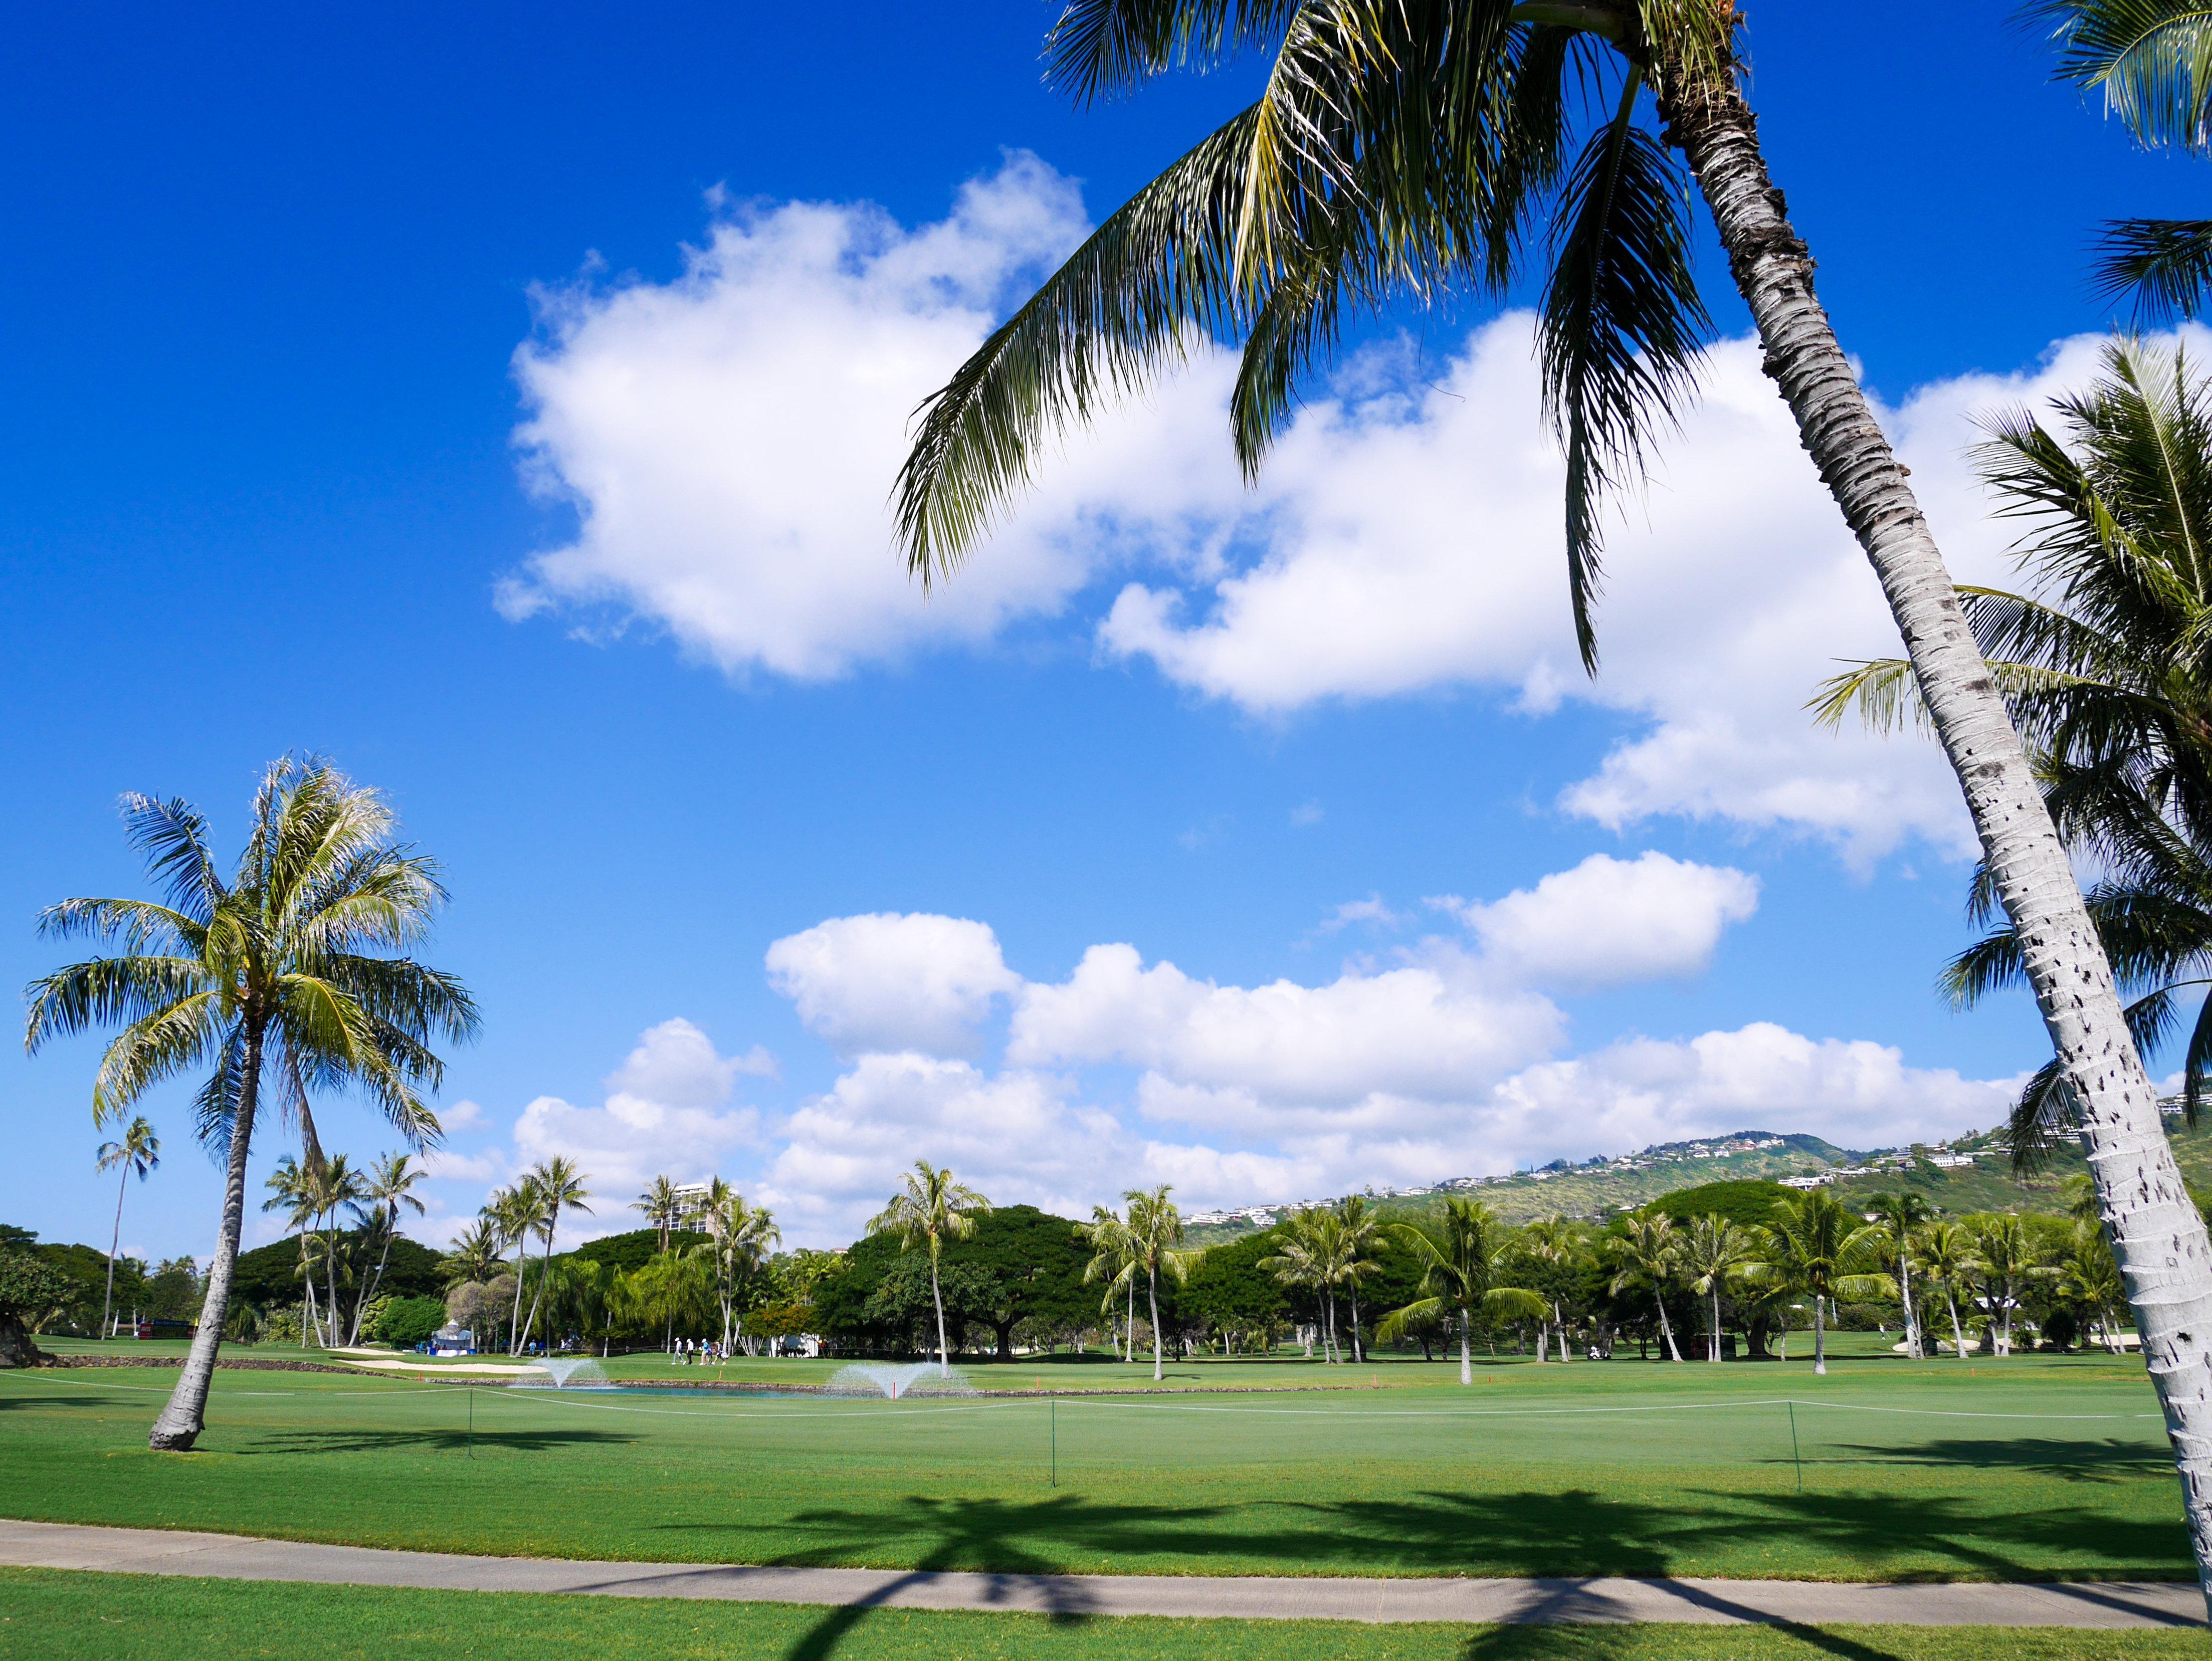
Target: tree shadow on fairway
(1525,1534)
(11,1403)
(1607,1643)
(963,1529)
(2071,1461)
(429,1440)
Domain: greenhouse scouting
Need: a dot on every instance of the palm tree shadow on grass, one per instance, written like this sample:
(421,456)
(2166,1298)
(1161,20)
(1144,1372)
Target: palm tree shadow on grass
(2107,1461)
(1609,1643)
(1518,1533)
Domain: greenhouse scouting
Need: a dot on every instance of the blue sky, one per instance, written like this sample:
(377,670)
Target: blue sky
(465,398)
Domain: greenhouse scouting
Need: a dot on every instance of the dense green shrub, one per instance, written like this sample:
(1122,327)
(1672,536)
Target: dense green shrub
(407,1322)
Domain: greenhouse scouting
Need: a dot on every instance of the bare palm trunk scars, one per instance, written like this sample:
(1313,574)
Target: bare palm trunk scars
(2157,1234)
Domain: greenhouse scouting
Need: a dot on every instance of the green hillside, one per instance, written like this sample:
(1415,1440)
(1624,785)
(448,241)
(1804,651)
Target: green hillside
(1601,1188)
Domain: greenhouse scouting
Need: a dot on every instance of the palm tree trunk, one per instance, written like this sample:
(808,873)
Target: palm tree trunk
(1666,1329)
(1716,1355)
(515,1319)
(310,1322)
(1819,1333)
(943,1360)
(384,1257)
(1129,1325)
(1958,1333)
(114,1244)
(330,1269)
(1912,1347)
(1152,1296)
(1466,1354)
(544,1266)
(186,1414)
(1357,1354)
(2157,1234)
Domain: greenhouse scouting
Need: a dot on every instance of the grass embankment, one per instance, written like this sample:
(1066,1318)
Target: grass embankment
(1905,1470)
(91,1618)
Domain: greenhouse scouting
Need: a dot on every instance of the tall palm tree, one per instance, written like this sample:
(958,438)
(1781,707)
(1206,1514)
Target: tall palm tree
(742,1235)
(272,975)
(335,1185)
(2087,1275)
(1316,1253)
(136,1154)
(2110,680)
(1155,1234)
(474,1256)
(1362,1228)
(1714,1253)
(1114,1260)
(2008,1258)
(663,1207)
(1460,1262)
(516,1212)
(1815,1245)
(292,1189)
(1419,149)
(1558,1245)
(1945,1254)
(388,1188)
(931,1206)
(559,1187)
(1899,1216)
(1647,1252)
(2153,60)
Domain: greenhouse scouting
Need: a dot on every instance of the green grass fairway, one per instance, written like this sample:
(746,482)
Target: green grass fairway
(2032,1468)
(96,1617)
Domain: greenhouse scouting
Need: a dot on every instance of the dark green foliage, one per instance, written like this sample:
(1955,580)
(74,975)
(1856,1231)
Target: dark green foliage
(408,1322)
(1746,1204)
(634,1250)
(1227,1291)
(31,1287)
(1020,1266)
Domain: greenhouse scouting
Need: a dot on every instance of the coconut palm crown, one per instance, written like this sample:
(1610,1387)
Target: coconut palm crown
(281,981)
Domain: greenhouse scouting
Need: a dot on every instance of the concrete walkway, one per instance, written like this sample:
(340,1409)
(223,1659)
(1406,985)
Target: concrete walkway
(235,1557)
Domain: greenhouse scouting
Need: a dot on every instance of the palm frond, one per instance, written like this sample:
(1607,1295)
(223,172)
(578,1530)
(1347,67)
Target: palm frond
(2153,59)
(1621,329)
(2163,267)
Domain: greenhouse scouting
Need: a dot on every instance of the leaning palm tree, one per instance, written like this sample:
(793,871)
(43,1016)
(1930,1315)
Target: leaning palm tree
(1459,1262)
(1156,1239)
(2086,1275)
(931,1206)
(742,1236)
(388,1188)
(2153,61)
(2108,674)
(2007,1259)
(559,1187)
(1945,1254)
(1647,1252)
(136,1154)
(1897,1216)
(1714,1253)
(1816,1246)
(1421,149)
(271,975)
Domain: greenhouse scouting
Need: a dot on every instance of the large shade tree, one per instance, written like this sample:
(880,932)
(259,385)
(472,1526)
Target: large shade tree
(283,979)
(1418,147)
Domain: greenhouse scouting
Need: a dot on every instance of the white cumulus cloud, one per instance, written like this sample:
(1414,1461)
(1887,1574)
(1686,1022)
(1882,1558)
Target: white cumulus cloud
(1610,921)
(885,981)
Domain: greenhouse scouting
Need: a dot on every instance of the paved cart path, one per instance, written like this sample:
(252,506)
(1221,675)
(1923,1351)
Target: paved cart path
(238,1557)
